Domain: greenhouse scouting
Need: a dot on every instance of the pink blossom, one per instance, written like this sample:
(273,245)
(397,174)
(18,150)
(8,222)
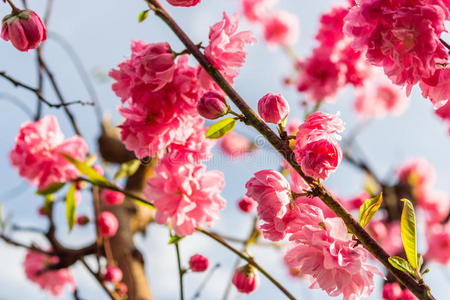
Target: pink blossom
(235,145)
(437,88)
(24,29)
(380,97)
(273,108)
(198,263)
(388,235)
(292,126)
(246,279)
(111,197)
(408,295)
(184,2)
(37,153)
(247,204)
(212,105)
(331,26)
(185,195)
(281,28)
(257,10)
(400,36)
(107,224)
(392,291)
(113,274)
(335,264)
(436,205)
(355,202)
(272,193)
(226,49)
(321,77)
(52,280)
(417,172)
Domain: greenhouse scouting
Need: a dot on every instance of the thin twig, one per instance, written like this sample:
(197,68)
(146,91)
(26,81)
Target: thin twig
(420,290)
(181,271)
(445,44)
(18,244)
(205,282)
(112,294)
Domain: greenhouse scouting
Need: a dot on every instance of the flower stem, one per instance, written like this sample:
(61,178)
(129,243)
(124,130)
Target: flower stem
(15,10)
(420,290)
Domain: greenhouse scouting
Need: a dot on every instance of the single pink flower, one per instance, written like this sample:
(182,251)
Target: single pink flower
(235,145)
(198,263)
(212,105)
(25,30)
(225,50)
(184,2)
(107,224)
(247,204)
(257,10)
(331,26)
(37,153)
(113,274)
(185,195)
(111,197)
(246,279)
(392,291)
(320,76)
(273,108)
(438,238)
(437,88)
(328,254)
(281,28)
(54,281)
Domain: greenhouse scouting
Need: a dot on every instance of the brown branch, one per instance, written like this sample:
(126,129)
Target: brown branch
(446,45)
(112,294)
(420,290)
(18,244)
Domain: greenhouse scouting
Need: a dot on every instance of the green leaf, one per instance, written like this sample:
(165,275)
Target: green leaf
(127,169)
(87,170)
(174,239)
(408,229)
(419,261)
(143,15)
(90,160)
(71,207)
(144,204)
(219,129)
(369,208)
(53,188)
(401,264)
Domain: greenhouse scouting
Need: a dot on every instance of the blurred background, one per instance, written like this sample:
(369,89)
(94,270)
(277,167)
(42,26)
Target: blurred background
(100,33)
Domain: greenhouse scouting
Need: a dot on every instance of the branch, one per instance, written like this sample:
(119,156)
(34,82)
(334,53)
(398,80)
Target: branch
(445,44)
(18,244)
(112,294)
(420,290)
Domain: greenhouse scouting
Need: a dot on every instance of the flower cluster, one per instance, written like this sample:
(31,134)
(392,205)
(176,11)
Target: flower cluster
(37,153)
(316,147)
(54,281)
(280,28)
(320,247)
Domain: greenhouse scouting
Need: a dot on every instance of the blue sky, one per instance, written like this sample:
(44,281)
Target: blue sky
(100,32)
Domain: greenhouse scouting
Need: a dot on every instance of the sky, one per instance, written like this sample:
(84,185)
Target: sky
(100,33)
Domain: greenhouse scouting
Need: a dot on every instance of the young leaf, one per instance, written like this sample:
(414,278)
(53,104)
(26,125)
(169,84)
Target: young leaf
(127,169)
(87,170)
(402,265)
(419,261)
(408,229)
(219,129)
(143,15)
(71,207)
(369,208)
(53,188)
(174,239)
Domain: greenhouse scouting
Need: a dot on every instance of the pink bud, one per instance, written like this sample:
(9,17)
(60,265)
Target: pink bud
(107,224)
(113,274)
(82,220)
(245,279)
(392,291)
(183,2)
(25,30)
(212,105)
(43,211)
(408,295)
(112,197)
(273,108)
(122,288)
(198,263)
(247,204)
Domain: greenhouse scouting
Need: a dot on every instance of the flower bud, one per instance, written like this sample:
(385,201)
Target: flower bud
(112,197)
(121,288)
(24,29)
(107,224)
(184,2)
(245,279)
(82,220)
(247,204)
(273,108)
(113,274)
(392,291)
(198,263)
(212,105)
